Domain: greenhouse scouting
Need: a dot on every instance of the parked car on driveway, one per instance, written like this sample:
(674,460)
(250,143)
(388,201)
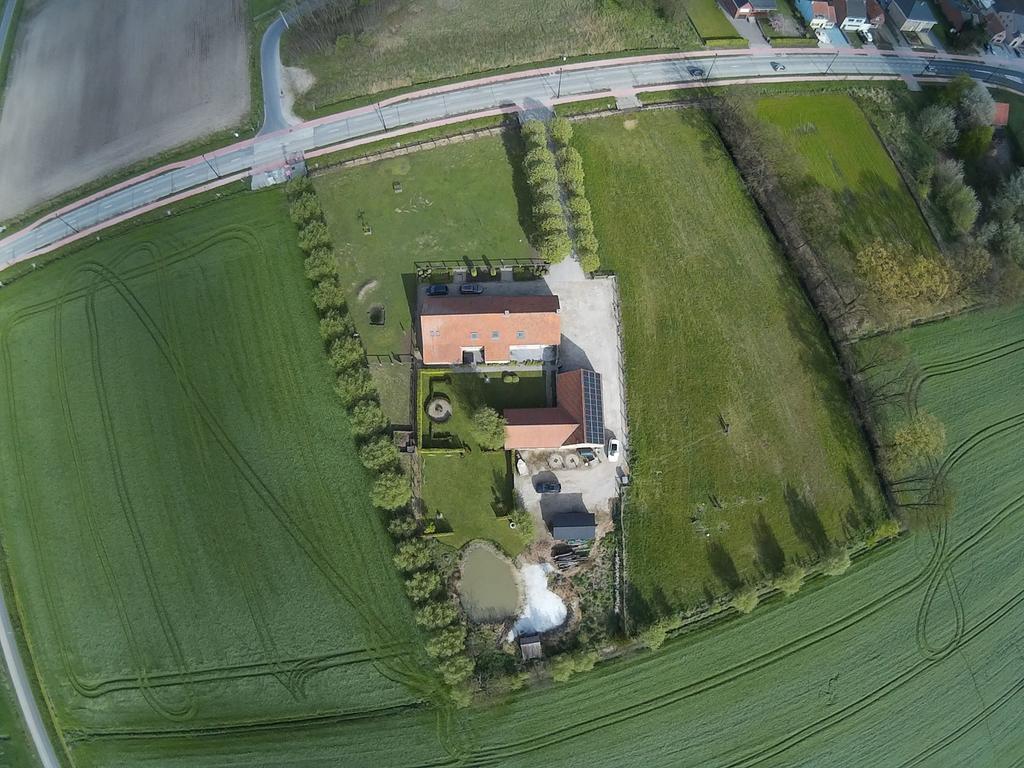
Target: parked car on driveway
(613,450)
(778,67)
(587,454)
(549,487)
(437,289)
(471,288)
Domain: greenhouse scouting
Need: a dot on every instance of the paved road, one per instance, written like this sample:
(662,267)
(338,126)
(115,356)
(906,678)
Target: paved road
(26,701)
(512,91)
(274,118)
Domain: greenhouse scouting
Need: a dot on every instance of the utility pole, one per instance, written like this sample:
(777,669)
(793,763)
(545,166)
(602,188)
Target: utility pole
(66,224)
(380,114)
(205,160)
(559,92)
(711,68)
(829,67)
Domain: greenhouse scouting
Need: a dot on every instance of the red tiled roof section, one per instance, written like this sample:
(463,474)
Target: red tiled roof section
(875,13)
(569,395)
(448,322)
(1002,116)
(821,9)
(537,428)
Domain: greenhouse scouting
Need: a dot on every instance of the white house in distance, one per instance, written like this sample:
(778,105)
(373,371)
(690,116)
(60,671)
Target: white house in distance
(912,15)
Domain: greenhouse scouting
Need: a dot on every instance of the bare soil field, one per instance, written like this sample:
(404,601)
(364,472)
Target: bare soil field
(96,86)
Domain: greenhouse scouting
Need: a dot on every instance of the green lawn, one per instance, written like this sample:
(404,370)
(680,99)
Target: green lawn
(707,16)
(838,150)
(716,328)
(437,39)
(457,202)
(187,525)
(472,490)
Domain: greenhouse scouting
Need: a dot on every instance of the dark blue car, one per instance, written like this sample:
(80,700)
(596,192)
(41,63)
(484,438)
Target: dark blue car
(437,289)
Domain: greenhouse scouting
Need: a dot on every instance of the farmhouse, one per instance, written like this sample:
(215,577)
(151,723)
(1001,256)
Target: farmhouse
(472,330)
(576,421)
(912,15)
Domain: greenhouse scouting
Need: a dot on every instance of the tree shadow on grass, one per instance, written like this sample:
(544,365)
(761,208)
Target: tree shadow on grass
(515,151)
(862,515)
(770,557)
(722,565)
(806,522)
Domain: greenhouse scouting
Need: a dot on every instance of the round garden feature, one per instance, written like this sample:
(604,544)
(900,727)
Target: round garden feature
(439,409)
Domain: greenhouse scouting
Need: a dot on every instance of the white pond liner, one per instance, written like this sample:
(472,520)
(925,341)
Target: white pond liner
(543,609)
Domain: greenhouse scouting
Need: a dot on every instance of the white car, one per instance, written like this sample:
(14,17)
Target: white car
(612,452)
(868,37)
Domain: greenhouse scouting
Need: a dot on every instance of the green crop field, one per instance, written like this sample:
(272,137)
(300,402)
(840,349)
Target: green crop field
(430,40)
(911,659)
(838,150)
(187,526)
(716,330)
(457,202)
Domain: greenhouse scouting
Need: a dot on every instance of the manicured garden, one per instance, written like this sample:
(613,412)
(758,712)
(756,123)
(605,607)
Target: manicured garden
(744,453)
(469,486)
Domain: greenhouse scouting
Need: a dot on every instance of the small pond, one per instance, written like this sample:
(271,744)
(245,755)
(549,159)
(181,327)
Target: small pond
(489,589)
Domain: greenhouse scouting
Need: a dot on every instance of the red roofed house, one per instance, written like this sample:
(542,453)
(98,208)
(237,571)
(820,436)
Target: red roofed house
(458,330)
(823,15)
(1002,115)
(576,420)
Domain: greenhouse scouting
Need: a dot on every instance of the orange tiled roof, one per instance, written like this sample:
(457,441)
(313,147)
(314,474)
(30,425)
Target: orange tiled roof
(1002,116)
(537,428)
(821,9)
(448,324)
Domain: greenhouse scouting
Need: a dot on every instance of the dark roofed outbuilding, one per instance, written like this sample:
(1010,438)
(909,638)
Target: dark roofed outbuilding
(574,526)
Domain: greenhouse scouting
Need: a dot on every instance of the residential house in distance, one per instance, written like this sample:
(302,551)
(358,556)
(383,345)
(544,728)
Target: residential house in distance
(912,15)
(748,9)
(823,15)
(473,330)
(859,15)
(576,420)
(1005,23)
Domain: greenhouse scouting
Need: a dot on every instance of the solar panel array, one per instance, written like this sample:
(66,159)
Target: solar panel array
(593,409)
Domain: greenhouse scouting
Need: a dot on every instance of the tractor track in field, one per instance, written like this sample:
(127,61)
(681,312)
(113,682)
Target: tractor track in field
(938,565)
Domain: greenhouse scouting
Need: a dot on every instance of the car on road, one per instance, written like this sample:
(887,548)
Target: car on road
(930,69)
(613,450)
(695,71)
(471,288)
(437,289)
(551,486)
(778,67)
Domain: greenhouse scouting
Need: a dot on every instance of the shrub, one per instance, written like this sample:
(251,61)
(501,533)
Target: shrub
(328,294)
(584,225)
(790,580)
(447,642)
(587,241)
(561,131)
(887,529)
(437,614)
(523,521)
(746,599)
(423,585)
(489,429)
(539,156)
(921,438)
(552,225)
(412,555)
(534,133)
(391,491)
(564,667)
(379,454)
(456,670)
(403,526)
(899,275)
(836,563)
(589,261)
(319,265)
(937,125)
(974,142)
(305,209)
(541,174)
(656,634)
(555,248)
(572,177)
(354,386)
(368,419)
(334,325)
(579,207)
(510,378)
(345,354)
(547,209)
(314,235)
(570,156)
(298,186)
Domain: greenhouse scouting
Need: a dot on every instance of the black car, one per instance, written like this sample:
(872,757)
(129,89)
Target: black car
(437,289)
(778,67)
(695,71)
(471,288)
(551,487)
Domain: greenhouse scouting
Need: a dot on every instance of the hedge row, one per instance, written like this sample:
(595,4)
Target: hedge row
(570,168)
(552,234)
(391,491)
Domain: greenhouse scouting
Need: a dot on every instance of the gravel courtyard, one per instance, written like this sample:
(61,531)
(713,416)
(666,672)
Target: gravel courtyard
(95,86)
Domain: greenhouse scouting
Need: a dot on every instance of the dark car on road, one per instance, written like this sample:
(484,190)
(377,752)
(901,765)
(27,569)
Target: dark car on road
(437,289)
(778,67)
(695,71)
(471,288)
(549,487)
